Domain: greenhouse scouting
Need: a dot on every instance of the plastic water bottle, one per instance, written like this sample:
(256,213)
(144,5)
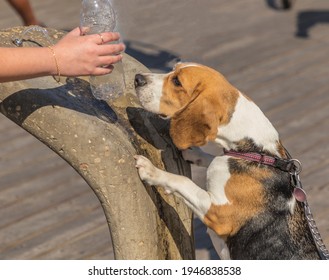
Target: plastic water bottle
(98,16)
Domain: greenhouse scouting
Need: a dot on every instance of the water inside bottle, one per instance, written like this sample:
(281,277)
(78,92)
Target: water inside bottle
(109,86)
(102,22)
(95,19)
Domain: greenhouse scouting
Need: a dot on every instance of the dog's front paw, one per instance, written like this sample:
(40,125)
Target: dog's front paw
(146,170)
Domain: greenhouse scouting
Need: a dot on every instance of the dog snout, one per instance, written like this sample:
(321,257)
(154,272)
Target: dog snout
(140,80)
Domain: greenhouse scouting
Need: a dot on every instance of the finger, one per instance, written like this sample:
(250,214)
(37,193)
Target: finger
(108,60)
(112,49)
(110,36)
(104,37)
(103,70)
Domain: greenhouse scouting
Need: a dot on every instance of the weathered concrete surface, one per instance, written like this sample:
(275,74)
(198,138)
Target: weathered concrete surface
(99,140)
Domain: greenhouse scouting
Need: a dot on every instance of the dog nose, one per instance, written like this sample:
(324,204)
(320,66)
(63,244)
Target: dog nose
(140,80)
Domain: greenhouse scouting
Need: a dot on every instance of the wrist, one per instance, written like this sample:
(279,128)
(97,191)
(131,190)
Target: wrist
(56,73)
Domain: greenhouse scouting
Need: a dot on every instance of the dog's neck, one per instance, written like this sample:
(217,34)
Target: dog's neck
(248,124)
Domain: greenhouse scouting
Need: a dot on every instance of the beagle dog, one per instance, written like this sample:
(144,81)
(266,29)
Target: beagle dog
(248,204)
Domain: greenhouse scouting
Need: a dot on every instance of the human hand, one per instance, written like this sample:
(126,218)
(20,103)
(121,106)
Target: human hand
(87,55)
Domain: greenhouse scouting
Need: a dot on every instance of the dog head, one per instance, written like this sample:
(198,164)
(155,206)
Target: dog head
(196,98)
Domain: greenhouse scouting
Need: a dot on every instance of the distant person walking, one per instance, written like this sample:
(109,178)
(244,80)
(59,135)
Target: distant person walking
(25,11)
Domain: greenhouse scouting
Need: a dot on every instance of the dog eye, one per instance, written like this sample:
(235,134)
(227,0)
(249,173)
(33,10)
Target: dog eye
(176,81)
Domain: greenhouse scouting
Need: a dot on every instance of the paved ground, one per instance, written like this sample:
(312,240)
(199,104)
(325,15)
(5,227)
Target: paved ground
(279,58)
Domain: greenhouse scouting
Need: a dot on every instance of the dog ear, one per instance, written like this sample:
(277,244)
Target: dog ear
(195,124)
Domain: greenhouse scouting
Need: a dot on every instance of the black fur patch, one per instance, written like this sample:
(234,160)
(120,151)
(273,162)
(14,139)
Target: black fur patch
(275,233)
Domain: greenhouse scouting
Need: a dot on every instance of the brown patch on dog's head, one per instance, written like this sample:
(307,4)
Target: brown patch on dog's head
(198,99)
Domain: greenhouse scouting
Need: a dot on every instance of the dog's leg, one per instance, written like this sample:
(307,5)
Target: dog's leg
(195,197)
(198,157)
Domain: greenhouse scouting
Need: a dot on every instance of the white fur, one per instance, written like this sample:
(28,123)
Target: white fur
(217,173)
(150,95)
(195,197)
(217,177)
(248,121)
(291,205)
(190,65)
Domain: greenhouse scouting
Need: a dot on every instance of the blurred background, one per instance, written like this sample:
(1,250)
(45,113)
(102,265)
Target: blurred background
(277,56)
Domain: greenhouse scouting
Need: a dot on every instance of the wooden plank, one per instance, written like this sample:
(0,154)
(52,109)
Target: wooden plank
(89,244)
(36,232)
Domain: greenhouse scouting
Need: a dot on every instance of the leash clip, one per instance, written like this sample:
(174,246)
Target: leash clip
(296,166)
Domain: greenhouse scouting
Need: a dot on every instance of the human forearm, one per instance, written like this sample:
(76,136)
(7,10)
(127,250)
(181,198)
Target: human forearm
(25,63)
(73,55)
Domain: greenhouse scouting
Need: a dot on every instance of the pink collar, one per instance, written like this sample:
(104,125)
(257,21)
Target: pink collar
(291,166)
